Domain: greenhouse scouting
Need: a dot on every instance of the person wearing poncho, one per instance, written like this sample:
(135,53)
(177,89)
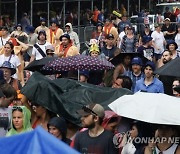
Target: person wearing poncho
(20,120)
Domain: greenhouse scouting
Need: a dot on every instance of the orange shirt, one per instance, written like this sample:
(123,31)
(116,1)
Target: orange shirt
(95,15)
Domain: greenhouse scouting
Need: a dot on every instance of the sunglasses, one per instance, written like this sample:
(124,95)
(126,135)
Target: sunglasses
(88,110)
(17,108)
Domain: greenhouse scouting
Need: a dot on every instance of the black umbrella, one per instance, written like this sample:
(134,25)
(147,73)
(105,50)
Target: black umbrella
(120,57)
(172,68)
(65,96)
(36,65)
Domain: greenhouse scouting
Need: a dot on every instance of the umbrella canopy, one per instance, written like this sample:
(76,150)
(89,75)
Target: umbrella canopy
(172,68)
(119,58)
(37,141)
(163,109)
(79,62)
(36,65)
(65,96)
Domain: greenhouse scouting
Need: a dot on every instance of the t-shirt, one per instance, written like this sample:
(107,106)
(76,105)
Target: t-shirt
(170,28)
(109,52)
(3,41)
(5,118)
(102,144)
(146,52)
(158,39)
(121,35)
(36,53)
(177,40)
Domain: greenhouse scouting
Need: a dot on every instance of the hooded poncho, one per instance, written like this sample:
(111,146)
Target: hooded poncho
(26,122)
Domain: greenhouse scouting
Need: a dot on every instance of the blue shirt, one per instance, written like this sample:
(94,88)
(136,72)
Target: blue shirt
(155,87)
(134,78)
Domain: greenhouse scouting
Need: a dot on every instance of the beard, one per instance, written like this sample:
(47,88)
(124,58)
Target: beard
(43,24)
(165,61)
(89,126)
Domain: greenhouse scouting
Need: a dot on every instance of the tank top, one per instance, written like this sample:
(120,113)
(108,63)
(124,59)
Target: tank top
(170,150)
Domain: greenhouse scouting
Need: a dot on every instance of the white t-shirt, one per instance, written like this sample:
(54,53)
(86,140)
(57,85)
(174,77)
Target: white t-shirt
(36,53)
(5,119)
(3,41)
(158,39)
(14,60)
(177,40)
(121,35)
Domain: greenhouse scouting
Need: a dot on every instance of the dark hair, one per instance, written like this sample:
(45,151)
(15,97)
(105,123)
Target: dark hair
(113,119)
(8,90)
(167,51)
(127,82)
(177,79)
(42,32)
(11,44)
(100,119)
(4,27)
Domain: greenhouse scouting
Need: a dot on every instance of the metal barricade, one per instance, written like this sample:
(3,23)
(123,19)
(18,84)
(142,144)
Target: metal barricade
(88,32)
(84,34)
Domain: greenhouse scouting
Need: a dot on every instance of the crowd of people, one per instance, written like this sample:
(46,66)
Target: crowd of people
(135,58)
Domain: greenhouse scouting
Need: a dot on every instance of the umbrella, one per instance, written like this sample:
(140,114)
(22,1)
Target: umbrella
(119,58)
(37,141)
(65,96)
(163,109)
(36,65)
(79,62)
(172,68)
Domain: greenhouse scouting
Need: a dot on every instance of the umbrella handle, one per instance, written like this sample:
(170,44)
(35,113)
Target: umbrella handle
(78,75)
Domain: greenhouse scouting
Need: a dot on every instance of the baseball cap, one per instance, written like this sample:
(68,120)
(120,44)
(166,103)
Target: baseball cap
(93,108)
(110,36)
(49,47)
(64,35)
(42,20)
(85,73)
(156,25)
(151,64)
(167,19)
(146,38)
(137,60)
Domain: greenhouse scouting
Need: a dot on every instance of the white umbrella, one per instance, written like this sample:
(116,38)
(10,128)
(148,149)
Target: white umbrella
(149,107)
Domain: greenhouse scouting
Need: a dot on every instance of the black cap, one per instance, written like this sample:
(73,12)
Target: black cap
(64,35)
(110,36)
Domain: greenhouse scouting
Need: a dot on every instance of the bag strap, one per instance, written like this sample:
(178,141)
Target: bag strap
(2,41)
(10,58)
(40,50)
